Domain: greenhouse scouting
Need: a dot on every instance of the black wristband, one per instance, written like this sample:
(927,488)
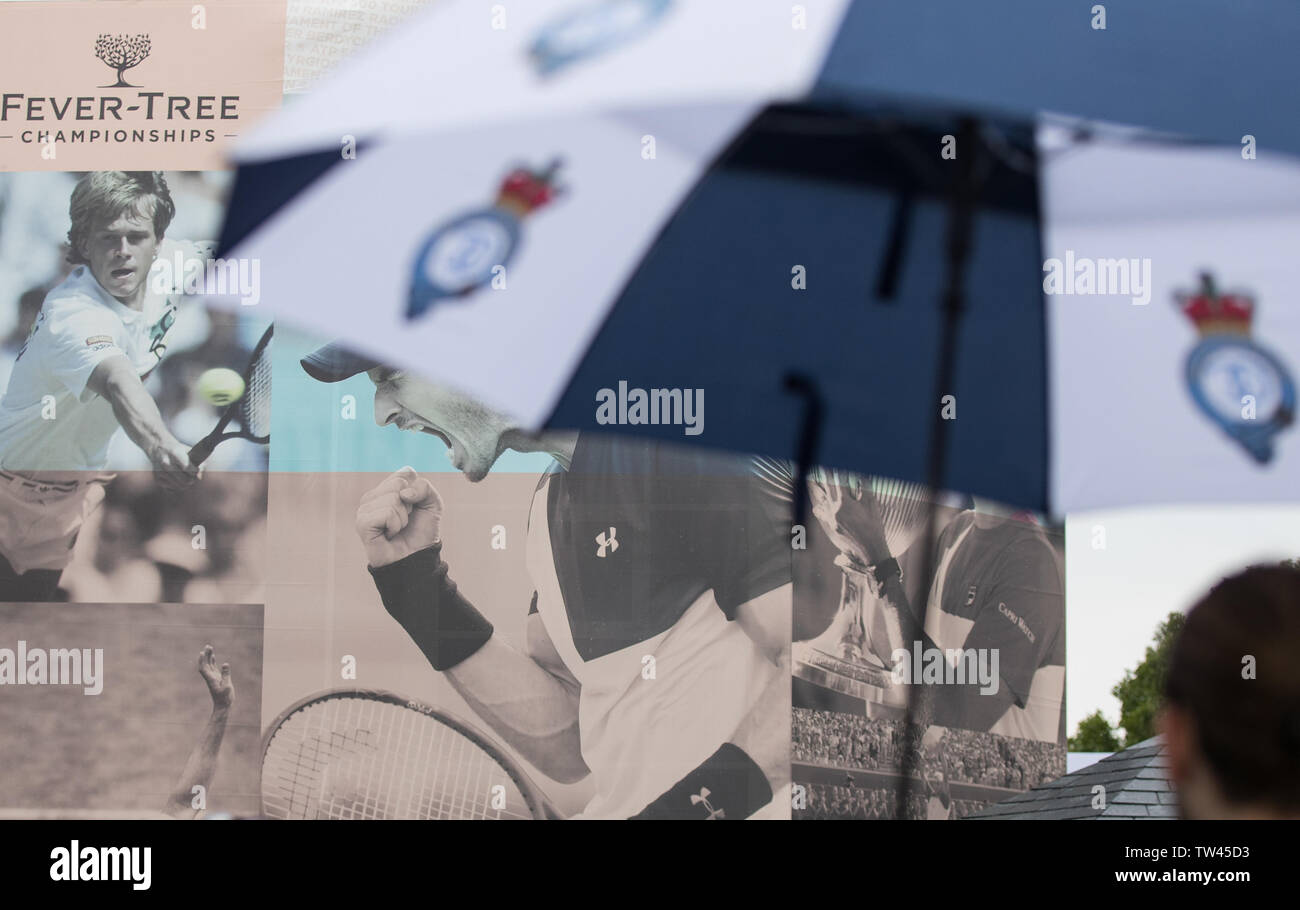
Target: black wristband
(418,594)
(882,571)
(727,785)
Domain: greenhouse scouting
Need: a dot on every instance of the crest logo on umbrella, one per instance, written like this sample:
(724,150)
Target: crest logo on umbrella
(592,29)
(1238,384)
(464,254)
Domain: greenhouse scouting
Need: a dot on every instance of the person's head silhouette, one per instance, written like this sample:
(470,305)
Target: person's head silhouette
(1232,715)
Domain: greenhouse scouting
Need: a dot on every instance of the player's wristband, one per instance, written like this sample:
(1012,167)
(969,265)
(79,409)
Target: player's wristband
(727,785)
(418,594)
(880,574)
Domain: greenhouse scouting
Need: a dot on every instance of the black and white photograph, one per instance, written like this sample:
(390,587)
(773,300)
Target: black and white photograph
(618,620)
(972,703)
(130,710)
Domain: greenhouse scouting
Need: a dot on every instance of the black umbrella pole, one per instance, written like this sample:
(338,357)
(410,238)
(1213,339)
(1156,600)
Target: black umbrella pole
(961,217)
(809,436)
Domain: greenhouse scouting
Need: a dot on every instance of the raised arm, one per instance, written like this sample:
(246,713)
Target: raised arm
(529,701)
(855,525)
(202,764)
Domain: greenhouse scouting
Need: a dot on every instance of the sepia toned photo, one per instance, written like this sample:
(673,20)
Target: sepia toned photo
(129,710)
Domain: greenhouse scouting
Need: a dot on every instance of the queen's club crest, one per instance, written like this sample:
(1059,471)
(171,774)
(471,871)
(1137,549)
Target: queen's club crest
(592,29)
(1241,386)
(464,254)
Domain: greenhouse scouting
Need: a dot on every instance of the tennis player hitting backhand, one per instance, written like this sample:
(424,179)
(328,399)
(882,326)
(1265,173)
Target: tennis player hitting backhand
(657,652)
(80,378)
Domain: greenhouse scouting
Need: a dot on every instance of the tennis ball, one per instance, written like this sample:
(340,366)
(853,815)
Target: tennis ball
(221,386)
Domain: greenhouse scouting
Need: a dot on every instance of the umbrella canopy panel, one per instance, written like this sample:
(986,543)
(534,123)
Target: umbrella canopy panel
(860,207)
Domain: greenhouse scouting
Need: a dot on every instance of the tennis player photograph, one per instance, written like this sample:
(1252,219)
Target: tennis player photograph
(112,366)
(129,710)
(611,614)
(987,667)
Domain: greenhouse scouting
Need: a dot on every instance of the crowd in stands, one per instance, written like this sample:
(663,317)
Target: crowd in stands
(859,742)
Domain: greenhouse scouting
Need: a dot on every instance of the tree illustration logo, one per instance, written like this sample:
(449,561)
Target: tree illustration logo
(122,52)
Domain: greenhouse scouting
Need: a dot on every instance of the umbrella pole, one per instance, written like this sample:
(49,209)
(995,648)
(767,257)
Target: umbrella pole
(961,216)
(809,436)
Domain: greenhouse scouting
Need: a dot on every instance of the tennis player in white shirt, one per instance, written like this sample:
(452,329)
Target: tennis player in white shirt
(80,378)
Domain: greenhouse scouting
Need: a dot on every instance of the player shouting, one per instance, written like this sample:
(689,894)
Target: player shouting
(657,652)
(80,378)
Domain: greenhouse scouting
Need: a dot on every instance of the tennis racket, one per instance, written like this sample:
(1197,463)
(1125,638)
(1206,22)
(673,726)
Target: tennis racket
(252,410)
(359,753)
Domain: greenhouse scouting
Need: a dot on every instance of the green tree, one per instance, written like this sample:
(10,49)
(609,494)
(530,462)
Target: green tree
(1291,563)
(1141,691)
(1094,734)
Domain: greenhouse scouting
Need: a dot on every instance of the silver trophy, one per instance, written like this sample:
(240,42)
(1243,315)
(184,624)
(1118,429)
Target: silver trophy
(853,655)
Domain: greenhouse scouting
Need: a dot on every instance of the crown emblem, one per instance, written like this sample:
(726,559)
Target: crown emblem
(1216,313)
(473,250)
(524,191)
(1240,385)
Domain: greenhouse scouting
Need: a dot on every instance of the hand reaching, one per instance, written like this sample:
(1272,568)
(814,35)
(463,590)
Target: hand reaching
(220,686)
(850,514)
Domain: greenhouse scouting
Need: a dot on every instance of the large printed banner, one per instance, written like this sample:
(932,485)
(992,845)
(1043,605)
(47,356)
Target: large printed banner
(367,595)
(140,696)
(153,85)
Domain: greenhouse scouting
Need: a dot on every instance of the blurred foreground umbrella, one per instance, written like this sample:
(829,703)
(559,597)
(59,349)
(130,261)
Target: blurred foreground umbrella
(823,221)
(780,212)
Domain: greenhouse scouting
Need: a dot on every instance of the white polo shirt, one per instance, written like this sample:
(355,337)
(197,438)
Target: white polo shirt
(54,432)
(49,420)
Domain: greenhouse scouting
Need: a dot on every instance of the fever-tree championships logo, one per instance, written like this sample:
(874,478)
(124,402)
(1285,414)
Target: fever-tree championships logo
(121,53)
(92,86)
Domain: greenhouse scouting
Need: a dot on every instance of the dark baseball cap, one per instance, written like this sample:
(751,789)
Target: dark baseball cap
(335,363)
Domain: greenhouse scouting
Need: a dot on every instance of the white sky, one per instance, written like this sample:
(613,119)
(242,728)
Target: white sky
(1155,560)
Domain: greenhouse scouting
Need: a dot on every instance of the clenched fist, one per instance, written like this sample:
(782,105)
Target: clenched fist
(399,517)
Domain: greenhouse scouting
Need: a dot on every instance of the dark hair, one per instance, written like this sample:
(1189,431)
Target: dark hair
(1248,728)
(100,197)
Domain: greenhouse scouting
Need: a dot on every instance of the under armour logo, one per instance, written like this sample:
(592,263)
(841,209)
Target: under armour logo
(606,542)
(703,797)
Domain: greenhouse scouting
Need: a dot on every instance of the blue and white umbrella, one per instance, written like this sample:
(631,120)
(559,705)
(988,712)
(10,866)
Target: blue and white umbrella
(825,216)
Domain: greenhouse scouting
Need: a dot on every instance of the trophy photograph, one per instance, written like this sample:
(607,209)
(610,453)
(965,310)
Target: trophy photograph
(852,657)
